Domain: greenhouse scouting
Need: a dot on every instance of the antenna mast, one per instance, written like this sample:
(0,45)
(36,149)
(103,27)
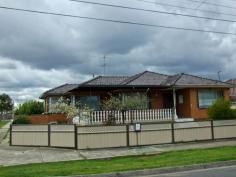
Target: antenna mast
(104,65)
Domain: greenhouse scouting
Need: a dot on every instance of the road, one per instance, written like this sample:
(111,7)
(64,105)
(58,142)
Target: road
(212,172)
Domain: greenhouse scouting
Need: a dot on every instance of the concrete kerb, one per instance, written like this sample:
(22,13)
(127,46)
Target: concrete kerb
(160,171)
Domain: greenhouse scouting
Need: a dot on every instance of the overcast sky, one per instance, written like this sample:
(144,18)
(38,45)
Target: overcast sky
(38,52)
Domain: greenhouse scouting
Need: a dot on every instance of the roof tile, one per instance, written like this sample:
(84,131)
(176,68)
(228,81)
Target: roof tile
(146,78)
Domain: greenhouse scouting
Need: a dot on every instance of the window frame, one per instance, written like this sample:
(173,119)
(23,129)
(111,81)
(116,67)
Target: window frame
(78,98)
(216,90)
(125,94)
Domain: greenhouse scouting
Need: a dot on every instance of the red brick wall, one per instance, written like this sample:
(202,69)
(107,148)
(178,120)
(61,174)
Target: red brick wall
(196,112)
(45,119)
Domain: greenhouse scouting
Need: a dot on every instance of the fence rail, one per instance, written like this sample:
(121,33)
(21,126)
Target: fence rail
(130,116)
(100,136)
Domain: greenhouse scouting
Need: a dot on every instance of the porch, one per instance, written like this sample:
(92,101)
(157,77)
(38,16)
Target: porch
(159,105)
(131,116)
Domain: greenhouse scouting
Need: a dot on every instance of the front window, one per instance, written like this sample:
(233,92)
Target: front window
(207,97)
(137,100)
(92,102)
(52,101)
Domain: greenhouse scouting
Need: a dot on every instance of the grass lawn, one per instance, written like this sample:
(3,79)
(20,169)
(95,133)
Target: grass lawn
(118,164)
(2,123)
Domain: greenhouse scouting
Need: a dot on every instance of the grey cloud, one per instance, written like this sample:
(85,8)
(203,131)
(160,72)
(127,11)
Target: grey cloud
(38,52)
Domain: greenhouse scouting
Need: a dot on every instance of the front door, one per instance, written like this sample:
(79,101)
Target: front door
(168,100)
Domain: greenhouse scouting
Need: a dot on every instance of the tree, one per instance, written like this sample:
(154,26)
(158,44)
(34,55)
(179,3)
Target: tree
(6,104)
(29,108)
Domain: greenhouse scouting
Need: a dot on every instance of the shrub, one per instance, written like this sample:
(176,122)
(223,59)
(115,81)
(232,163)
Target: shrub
(63,107)
(29,108)
(221,109)
(22,119)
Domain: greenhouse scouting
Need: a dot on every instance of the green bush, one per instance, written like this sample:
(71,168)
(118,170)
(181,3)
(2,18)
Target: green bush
(221,110)
(21,119)
(30,108)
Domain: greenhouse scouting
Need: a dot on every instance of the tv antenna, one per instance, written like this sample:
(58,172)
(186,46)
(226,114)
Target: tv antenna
(104,65)
(219,72)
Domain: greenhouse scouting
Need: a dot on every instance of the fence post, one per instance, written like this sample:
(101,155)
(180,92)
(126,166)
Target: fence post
(172,125)
(127,135)
(10,143)
(123,116)
(49,135)
(90,117)
(131,116)
(173,132)
(76,136)
(212,130)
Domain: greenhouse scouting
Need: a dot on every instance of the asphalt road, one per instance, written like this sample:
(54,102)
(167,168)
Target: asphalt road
(212,172)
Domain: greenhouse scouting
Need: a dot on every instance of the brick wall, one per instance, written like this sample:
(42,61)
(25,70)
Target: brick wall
(47,118)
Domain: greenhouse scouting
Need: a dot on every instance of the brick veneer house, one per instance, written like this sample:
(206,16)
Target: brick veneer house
(232,93)
(189,95)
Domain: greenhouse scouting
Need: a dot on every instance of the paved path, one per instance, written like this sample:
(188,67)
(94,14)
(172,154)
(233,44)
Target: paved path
(4,131)
(24,155)
(211,172)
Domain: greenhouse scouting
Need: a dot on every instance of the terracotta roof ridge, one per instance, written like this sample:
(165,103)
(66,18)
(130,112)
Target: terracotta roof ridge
(132,78)
(90,80)
(200,77)
(178,78)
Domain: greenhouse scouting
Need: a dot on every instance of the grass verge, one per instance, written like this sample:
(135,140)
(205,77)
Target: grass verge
(118,164)
(2,123)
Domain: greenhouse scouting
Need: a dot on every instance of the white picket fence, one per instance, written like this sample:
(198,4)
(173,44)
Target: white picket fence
(129,116)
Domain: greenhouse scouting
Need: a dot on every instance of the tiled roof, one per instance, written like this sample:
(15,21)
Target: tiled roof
(171,80)
(146,78)
(191,80)
(60,90)
(143,79)
(105,80)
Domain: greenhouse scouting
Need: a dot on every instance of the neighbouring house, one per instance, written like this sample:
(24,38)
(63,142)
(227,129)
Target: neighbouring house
(188,95)
(232,92)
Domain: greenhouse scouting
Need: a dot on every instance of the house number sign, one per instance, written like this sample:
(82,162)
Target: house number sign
(137,127)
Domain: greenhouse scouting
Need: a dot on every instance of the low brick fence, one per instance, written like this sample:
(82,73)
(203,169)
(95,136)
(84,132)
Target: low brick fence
(99,136)
(47,118)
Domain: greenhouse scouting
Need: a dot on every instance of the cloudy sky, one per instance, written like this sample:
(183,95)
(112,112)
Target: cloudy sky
(38,52)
